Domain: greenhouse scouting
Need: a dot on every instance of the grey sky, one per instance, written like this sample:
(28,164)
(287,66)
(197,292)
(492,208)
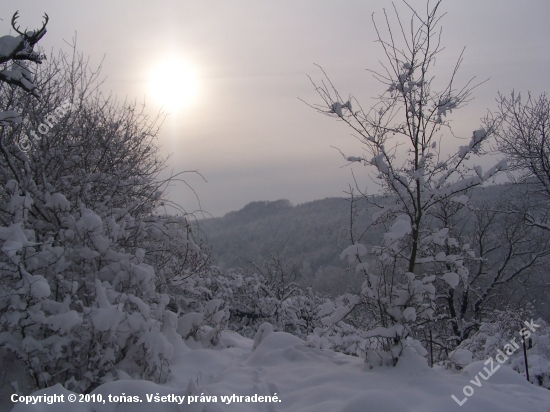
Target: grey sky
(246,131)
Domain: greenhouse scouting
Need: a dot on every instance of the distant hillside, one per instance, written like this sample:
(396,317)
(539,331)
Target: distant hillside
(311,235)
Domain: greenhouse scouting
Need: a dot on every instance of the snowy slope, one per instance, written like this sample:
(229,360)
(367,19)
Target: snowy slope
(306,379)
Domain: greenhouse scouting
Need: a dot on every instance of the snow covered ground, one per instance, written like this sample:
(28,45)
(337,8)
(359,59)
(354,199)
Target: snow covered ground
(302,378)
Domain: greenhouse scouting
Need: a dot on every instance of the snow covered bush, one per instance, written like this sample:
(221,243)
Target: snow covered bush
(251,300)
(491,336)
(505,333)
(240,300)
(81,308)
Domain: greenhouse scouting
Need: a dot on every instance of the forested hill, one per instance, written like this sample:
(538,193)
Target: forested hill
(310,235)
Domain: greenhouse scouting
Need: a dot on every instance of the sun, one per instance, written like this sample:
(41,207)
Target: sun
(174,83)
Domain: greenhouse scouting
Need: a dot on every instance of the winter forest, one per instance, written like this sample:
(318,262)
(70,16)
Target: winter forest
(426,291)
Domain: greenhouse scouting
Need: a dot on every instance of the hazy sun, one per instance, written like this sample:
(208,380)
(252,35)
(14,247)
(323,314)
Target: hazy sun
(174,83)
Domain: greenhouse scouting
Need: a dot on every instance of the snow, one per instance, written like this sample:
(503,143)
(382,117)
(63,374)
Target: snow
(107,316)
(336,316)
(188,322)
(14,240)
(348,105)
(89,221)
(354,159)
(8,45)
(463,199)
(409,314)
(452,279)
(501,165)
(439,237)
(57,201)
(362,267)
(39,286)
(461,357)
(10,116)
(307,379)
(351,252)
(399,229)
(263,332)
(17,76)
(380,164)
(337,108)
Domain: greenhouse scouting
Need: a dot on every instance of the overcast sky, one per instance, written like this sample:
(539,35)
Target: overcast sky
(245,130)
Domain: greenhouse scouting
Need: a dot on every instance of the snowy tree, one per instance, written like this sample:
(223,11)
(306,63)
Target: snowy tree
(520,130)
(92,264)
(522,135)
(402,135)
(504,258)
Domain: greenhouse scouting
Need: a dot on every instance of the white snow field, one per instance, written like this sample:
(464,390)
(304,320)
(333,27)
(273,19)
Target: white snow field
(305,379)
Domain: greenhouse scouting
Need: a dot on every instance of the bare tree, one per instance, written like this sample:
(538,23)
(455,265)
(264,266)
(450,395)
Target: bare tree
(523,136)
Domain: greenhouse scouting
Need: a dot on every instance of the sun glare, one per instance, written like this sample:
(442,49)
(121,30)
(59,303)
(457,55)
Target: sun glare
(174,84)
